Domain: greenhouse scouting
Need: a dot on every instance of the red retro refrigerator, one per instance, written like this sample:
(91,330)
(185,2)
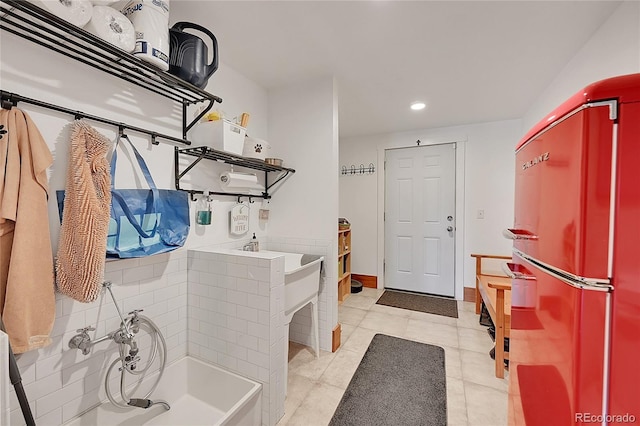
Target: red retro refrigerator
(575,330)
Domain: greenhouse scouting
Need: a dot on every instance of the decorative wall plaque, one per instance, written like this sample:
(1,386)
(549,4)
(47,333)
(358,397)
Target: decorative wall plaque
(239,219)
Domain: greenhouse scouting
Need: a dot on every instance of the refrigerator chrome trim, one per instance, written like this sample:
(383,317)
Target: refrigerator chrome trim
(593,284)
(612,199)
(515,275)
(606,360)
(613,115)
(509,234)
(611,103)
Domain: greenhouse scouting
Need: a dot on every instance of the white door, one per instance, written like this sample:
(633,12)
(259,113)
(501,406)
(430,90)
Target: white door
(419,219)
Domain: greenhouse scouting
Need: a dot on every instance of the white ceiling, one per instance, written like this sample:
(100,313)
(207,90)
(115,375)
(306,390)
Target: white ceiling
(470,61)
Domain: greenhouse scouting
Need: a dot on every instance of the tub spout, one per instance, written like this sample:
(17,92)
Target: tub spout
(147,403)
(252,246)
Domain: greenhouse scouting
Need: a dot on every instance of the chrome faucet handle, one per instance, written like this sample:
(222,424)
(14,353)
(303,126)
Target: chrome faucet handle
(135,312)
(82,340)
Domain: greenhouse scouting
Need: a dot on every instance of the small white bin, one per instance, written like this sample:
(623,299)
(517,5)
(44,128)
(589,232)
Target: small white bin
(221,135)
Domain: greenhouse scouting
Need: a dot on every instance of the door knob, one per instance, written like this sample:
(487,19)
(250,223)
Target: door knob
(450,228)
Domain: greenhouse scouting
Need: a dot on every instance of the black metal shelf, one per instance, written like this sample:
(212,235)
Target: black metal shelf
(203,152)
(37,25)
(32,23)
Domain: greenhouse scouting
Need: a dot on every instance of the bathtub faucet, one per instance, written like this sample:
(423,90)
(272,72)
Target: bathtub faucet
(250,246)
(82,340)
(128,362)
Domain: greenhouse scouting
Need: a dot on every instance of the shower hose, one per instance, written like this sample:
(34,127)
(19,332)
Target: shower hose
(128,361)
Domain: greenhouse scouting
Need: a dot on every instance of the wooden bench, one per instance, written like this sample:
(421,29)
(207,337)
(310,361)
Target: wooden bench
(495,290)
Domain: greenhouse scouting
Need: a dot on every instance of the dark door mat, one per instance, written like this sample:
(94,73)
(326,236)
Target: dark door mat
(420,303)
(398,382)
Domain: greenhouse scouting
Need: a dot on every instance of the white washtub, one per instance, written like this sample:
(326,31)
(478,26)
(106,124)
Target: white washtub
(301,282)
(301,286)
(199,394)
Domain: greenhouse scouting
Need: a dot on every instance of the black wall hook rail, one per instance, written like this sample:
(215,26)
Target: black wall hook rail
(362,170)
(194,192)
(12,99)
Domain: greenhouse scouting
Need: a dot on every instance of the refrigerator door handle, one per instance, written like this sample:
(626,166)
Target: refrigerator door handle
(518,234)
(517,272)
(582,283)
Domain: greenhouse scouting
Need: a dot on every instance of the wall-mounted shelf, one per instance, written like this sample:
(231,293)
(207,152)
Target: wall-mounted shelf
(202,153)
(37,25)
(344,264)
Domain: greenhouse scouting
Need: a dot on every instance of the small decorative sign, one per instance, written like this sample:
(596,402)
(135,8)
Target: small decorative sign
(239,219)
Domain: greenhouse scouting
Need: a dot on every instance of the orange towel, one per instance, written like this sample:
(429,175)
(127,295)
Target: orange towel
(85,219)
(27,295)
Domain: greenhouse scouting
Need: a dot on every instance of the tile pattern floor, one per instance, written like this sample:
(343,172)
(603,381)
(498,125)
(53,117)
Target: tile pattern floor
(474,395)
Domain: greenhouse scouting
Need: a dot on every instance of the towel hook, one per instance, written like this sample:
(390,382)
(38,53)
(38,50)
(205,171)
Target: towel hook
(9,102)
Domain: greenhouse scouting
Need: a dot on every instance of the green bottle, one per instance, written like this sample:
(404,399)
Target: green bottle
(203,210)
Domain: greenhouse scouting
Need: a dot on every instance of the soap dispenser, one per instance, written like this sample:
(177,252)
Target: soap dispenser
(203,210)
(254,241)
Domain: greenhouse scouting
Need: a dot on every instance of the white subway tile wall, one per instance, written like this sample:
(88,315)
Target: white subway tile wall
(62,383)
(236,313)
(224,309)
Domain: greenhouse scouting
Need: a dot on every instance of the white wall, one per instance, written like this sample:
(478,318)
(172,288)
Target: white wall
(484,180)
(74,85)
(303,130)
(61,383)
(612,50)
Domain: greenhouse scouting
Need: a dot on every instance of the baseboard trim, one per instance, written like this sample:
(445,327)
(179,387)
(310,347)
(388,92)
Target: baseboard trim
(469,294)
(335,337)
(369,281)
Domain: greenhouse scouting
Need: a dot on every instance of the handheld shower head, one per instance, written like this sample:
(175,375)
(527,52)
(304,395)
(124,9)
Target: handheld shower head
(147,403)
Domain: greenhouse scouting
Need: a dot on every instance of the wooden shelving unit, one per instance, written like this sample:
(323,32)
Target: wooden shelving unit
(344,264)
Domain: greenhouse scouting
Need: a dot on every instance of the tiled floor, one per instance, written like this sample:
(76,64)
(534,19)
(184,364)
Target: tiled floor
(474,395)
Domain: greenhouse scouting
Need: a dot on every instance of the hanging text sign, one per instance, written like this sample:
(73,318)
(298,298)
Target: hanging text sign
(239,219)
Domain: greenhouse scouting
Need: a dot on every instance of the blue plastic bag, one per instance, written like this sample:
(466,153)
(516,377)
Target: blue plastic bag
(145,221)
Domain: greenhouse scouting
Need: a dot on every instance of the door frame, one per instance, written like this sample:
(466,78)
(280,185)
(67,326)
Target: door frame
(458,272)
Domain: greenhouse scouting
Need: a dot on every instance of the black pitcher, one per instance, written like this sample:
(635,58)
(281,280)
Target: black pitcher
(188,54)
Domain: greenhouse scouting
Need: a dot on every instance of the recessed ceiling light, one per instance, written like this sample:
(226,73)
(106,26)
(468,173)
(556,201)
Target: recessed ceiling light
(417,106)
